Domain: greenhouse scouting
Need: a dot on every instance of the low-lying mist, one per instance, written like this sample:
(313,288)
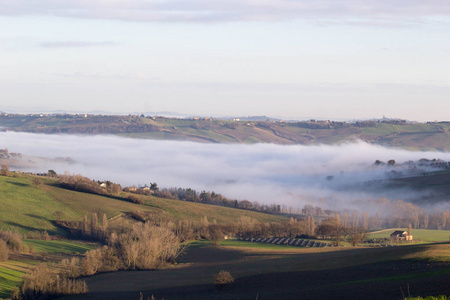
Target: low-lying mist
(332,176)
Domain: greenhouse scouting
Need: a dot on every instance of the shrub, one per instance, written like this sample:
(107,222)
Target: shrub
(4,170)
(137,215)
(70,268)
(4,251)
(13,240)
(38,235)
(36,182)
(103,259)
(134,199)
(16,294)
(42,283)
(148,246)
(223,279)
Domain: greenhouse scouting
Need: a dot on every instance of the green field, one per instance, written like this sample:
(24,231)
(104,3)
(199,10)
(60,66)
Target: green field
(59,246)
(413,136)
(269,271)
(25,207)
(11,271)
(424,235)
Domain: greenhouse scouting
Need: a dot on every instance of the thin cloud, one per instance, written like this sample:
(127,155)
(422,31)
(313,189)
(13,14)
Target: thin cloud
(230,11)
(128,76)
(73,44)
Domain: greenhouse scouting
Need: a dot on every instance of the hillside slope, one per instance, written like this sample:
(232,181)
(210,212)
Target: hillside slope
(25,206)
(417,136)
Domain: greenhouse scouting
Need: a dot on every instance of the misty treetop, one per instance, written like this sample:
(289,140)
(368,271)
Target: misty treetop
(384,213)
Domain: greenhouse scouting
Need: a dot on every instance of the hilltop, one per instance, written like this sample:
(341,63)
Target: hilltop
(397,133)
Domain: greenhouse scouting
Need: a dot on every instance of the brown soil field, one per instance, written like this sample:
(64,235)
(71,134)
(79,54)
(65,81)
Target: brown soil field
(329,273)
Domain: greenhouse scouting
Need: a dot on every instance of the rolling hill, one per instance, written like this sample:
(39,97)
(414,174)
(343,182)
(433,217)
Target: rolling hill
(341,273)
(25,206)
(413,136)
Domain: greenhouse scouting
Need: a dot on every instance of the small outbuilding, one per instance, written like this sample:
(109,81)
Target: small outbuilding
(401,235)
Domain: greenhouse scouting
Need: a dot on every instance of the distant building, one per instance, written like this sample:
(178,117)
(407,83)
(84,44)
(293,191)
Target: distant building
(401,235)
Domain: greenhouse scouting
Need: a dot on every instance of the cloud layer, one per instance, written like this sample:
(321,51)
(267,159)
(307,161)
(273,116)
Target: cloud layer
(226,11)
(76,44)
(267,173)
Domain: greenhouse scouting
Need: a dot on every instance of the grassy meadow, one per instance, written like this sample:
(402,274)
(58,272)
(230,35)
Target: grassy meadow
(11,273)
(59,246)
(12,270)
(25,207)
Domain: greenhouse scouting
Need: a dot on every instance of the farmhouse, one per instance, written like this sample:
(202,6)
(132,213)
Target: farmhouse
(401,235)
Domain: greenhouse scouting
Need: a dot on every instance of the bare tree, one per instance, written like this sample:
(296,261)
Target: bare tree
(43,283)
(215,233)
(148,246)
(36,182)
(425,221)
(104,223)
(356,235)
(366,220)
(4,251)
(311,226)
(4,170)
(355,219)
(345,219)
(84,227)
(93,225)
(445,217)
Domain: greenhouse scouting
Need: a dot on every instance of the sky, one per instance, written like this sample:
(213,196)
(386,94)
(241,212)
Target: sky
(291,59)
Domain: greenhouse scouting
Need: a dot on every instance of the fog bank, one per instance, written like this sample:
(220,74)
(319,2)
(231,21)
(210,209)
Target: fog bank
(292,175)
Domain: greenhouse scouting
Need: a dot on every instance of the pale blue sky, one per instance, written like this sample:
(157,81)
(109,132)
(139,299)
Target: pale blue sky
(282,58)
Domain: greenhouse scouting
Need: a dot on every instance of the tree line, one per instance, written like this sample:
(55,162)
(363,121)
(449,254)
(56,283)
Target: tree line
(396,213)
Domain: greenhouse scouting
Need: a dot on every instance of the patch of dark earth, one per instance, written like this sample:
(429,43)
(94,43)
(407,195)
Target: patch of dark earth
(386,280)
